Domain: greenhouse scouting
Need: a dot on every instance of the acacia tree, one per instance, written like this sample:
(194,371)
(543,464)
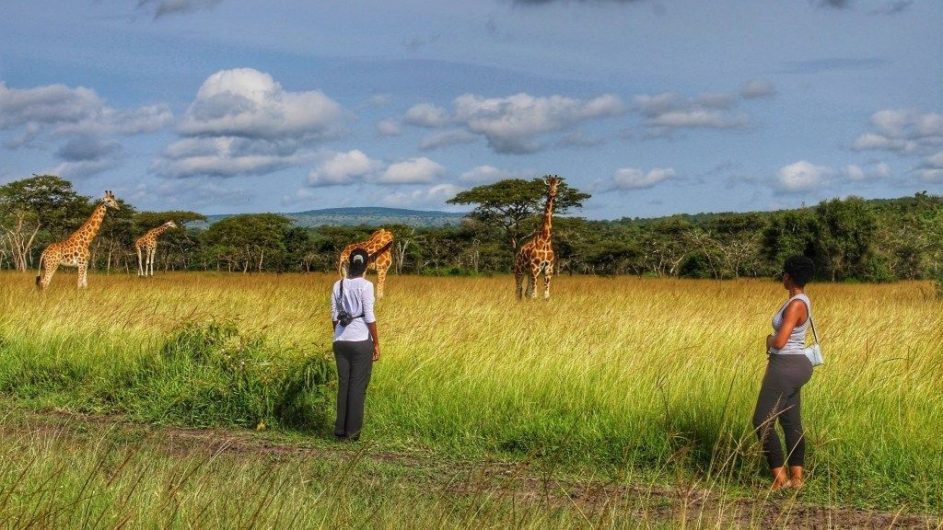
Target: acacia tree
(513,204)
(38,209)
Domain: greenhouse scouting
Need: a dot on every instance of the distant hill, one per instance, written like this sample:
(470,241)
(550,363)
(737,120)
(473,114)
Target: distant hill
(372,216)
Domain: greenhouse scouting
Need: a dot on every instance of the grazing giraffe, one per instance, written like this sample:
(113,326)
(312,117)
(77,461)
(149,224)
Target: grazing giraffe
(536,255)
(73,251)
(148,243)
(379,247)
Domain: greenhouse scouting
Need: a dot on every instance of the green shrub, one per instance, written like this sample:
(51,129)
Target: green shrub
(210,373)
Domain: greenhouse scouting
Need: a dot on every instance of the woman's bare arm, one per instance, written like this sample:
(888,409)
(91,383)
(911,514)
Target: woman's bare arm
(795,313)
(372,326)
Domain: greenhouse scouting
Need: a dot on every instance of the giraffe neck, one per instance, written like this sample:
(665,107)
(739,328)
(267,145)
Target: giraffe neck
(547,225)
(159,230)
(90,228)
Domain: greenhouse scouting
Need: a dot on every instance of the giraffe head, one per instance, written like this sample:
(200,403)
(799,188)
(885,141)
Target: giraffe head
(110,201)
(170,224)
(552,182)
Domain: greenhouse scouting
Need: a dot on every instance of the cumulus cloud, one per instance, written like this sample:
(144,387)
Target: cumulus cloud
(904,131)
(757,88)
(433,196)
(343,168)
(161,8)
(633,178)
(243,122)
(876,171)
(227,156)
(931,170)
(413,171)
(441,139)
(512,124)
(427,115)
(76,122)
(356,167)
(249,103)
(388,127)
(667,112)
(487,174)
(802,176)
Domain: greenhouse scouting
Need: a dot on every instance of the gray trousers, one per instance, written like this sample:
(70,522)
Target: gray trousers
(780,400)
(354,365)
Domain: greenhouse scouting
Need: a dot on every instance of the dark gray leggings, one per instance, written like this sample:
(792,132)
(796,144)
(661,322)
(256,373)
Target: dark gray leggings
(354,365)
(780,399)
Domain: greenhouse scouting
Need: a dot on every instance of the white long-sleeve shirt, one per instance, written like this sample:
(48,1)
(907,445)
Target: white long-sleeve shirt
(357,300)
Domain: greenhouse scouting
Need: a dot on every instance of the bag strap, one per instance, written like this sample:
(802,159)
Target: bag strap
(815,336)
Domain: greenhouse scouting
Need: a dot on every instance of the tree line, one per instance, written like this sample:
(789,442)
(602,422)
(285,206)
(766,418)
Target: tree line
(850,239)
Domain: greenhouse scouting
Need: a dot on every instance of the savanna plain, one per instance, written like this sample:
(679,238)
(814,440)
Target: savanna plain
(206,400)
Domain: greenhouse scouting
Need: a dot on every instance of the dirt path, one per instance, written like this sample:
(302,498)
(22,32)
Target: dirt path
(521,482)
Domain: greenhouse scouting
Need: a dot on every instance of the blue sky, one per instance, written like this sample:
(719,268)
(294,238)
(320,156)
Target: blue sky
(654,107)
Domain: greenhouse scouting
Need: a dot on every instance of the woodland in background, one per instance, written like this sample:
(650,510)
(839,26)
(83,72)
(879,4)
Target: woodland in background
(850,239)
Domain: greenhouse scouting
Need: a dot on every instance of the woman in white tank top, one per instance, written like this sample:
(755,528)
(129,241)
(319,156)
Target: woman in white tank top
(788,369)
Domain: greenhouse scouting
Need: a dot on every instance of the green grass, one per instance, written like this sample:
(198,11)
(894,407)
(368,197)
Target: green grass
(654,378)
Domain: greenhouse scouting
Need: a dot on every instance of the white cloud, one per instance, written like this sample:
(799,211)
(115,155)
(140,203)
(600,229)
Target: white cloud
(243,122)
(431,197)
(757,88)
(487,174)
(77,121)
(511,124)
(668,112)
(876,171)
(413,171)
(802,176)
(904,131)
(227,156)
(249,103)
(427,115)
(932,168)
(388,127)
(633,178)
(446,138)
(343,168)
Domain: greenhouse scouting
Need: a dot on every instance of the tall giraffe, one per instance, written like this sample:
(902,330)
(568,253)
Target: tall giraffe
(380,249)
(73,251)
(148,243)
(537,255)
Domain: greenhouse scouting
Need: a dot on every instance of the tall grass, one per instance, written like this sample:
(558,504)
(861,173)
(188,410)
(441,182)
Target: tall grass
(612,374)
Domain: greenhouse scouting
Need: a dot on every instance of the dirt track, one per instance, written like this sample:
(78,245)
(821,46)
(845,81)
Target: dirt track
(518,481)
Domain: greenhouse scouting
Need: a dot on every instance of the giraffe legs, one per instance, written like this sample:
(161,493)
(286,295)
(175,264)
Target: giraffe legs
(48,269)
(83,275)
(140,262)
(381,281)
(548,274)
(150,261)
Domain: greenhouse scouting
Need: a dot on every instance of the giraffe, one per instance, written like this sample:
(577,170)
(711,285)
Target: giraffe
(379,246)
(148,243)
(536,255)
(73,251)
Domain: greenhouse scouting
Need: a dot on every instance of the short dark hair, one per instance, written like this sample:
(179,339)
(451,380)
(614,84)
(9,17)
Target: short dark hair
(800,269)
(358,262)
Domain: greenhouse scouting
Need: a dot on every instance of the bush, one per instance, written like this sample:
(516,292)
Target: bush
(210,373)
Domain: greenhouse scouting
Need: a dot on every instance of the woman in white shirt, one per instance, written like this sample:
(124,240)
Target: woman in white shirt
(356,344)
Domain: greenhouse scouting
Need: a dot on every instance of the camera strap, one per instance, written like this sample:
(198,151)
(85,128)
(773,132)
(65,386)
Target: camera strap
(340,301)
